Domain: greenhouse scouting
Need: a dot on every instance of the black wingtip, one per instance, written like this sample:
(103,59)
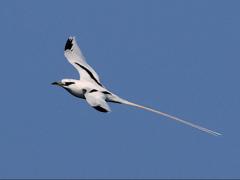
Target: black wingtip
(69,44)
(99,108)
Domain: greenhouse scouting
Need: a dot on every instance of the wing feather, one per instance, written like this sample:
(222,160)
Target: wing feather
(74,55)
(97,100)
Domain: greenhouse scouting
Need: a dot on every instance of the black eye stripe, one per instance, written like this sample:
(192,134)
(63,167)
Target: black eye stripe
(68,83)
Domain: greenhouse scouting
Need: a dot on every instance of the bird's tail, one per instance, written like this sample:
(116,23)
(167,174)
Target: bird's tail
(172,117)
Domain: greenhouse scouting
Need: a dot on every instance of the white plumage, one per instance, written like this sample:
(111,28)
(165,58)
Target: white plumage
(90,88)
(74,56)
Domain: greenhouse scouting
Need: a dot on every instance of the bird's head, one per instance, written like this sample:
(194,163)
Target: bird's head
(65,83)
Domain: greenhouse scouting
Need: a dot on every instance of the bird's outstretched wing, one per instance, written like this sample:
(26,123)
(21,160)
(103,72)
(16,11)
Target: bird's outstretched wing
(97,100)
(74,55)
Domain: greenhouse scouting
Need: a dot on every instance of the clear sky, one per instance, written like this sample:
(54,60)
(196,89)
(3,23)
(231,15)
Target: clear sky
(181,57)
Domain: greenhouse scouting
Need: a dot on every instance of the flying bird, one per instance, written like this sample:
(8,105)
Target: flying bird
(96,94)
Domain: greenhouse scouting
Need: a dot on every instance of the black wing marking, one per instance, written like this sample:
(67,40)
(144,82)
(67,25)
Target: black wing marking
(106,92)
(69,44)
(89,73)
(93,90)
(101,109)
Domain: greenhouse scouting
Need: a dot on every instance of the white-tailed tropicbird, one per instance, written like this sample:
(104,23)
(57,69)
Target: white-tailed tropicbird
(90,88)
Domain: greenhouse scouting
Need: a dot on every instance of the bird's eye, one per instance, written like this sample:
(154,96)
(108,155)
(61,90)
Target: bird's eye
(68,83)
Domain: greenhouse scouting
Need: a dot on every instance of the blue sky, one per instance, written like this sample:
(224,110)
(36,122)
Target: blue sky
(181,57)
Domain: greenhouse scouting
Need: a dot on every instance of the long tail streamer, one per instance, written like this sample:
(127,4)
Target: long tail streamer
(174,118)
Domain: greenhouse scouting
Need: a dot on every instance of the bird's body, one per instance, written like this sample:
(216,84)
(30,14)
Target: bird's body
(90,88)
(80,88)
